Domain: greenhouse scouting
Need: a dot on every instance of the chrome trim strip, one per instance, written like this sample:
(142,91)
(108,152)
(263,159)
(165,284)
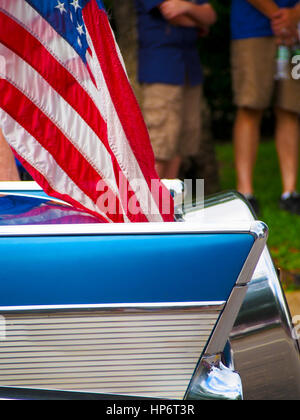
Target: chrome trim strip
(224,327)
(19,186)
(145,354)
(230,313)
(126,229)
(260,232)
(124,307)
(40,197)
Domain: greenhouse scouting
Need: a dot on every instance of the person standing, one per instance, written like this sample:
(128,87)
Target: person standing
(171,77)
(258,27)
(8,168)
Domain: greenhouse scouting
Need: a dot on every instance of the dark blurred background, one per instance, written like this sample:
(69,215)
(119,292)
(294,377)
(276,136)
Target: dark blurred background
(215,55)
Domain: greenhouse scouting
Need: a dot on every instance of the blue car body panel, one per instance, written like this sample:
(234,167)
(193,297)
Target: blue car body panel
(113,269)
(120,269)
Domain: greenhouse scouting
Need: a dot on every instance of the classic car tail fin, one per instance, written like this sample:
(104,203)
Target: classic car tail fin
(134,311)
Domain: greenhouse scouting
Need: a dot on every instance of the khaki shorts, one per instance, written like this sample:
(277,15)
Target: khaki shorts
(173,117)
(254,69)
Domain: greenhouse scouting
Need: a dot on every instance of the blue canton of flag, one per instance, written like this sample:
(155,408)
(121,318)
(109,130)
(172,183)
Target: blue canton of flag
(65,16)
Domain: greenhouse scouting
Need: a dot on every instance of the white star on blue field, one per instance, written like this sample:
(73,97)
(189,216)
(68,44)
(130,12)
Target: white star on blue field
(66,18)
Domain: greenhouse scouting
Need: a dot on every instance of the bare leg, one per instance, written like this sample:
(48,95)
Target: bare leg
(246,141)
(173,168)
(287,142)
(168,169)
(160,166)
(8,169)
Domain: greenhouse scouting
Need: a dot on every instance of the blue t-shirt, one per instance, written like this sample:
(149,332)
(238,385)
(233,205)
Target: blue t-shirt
(167,54)
(248,22)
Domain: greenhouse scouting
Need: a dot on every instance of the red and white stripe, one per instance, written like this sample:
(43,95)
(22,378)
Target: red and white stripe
(81,129)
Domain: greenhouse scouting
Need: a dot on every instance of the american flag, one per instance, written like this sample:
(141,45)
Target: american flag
(68,111)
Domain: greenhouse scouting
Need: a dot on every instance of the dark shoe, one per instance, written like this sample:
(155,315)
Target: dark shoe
(291,204)
(254,204)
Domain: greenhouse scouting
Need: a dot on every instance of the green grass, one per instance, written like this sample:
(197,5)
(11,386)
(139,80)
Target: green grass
(284,240)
